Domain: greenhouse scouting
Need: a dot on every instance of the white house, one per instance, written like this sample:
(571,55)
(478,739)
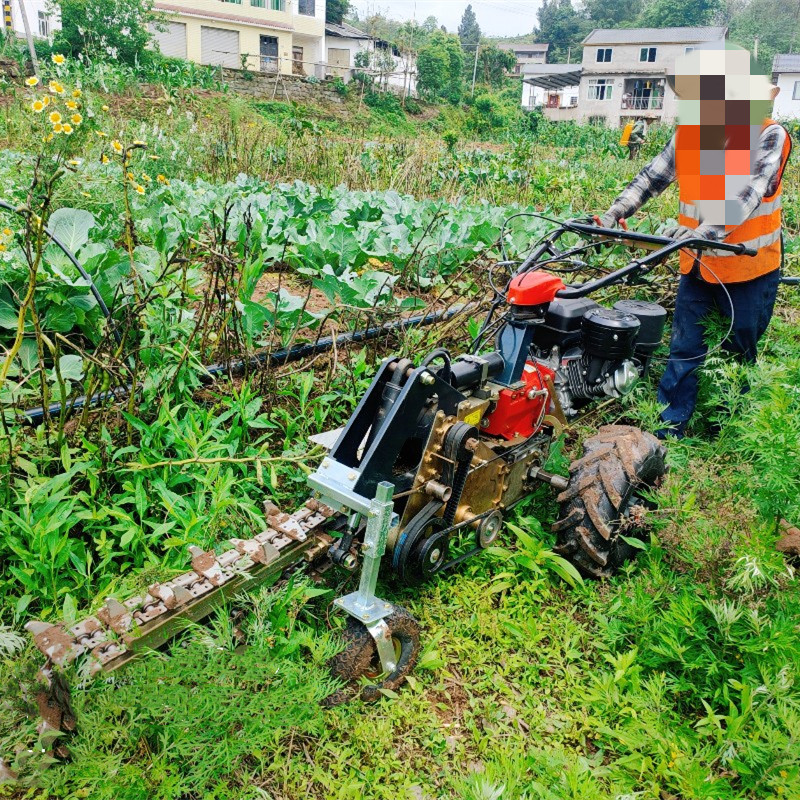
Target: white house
(623,74)
(551,86)
(349,48)
(286,36)
(531,53)
(42,19)
(786,76)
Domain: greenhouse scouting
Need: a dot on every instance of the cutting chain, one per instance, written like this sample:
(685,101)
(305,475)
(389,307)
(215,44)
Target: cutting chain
(119,631)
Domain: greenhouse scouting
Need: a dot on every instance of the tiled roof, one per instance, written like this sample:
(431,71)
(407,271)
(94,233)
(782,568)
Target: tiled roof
(345,31)
(788,62)
(655,35)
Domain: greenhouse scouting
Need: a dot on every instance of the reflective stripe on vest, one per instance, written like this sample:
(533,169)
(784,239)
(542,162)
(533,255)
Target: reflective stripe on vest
(761,231)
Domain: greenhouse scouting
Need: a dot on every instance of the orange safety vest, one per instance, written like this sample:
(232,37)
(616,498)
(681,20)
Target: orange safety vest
(760,231)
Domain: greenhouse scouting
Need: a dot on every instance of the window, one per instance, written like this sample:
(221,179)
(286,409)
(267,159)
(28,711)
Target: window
(796,91)
(688,50)
(647,54)
(305,7)
(237,2)
(600,89)
(44,24)
(603,55)
(273,5)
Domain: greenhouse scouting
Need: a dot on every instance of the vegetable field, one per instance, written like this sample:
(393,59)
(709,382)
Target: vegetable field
(144,418)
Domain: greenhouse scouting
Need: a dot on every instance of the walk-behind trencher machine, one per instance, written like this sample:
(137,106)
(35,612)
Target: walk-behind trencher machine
(432,460)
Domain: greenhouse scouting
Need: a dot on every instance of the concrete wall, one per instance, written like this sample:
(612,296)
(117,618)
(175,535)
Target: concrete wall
(533,96)
(785,107)
(285,25)
(403,77)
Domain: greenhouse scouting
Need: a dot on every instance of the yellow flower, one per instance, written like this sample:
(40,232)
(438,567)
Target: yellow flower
(76,119)
(101,134)
(104,108)
(56,87)
(58,128)
(58,58)
(48,138)
(116,146)
(37,106)
(71,105)
(74,162)
(86,194)
(162,179)
(130,176)
(139,143)
(54,117)
(7,232)
(67,128)
(139,188)
(104,159)
(2,248)
(154,158)
(32,81)
(46,99)
(77,93)
(146,178)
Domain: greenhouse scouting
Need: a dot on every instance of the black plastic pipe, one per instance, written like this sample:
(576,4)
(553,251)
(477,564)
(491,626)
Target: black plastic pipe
(34,416)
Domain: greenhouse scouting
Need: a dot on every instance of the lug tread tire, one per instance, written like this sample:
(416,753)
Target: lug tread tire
(617,460)
(360,655)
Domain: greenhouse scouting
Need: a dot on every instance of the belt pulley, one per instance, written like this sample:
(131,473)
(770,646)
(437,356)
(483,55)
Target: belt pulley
(423,546)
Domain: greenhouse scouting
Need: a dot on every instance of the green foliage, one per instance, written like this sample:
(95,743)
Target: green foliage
(115,30)
(440,66)
(676,13)
(469,32)
(493,63)
(336,11)
(772,22)
(562,27)
(613,13)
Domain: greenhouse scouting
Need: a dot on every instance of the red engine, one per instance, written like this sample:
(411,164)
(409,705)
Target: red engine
(519,412)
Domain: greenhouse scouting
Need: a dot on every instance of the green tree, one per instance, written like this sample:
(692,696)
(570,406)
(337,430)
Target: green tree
(612,13)
(678,13)
(563,27)
(493,63)
(336,11)
(440,65)
(107,29)
(773,23)
(469,31)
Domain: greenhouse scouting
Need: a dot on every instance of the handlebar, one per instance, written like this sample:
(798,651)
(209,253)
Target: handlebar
(665,247)
(696,243)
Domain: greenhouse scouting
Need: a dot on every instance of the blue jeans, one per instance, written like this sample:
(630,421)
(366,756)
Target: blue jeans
(752,303)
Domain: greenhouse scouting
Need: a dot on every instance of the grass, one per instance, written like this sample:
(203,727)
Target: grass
(675,680)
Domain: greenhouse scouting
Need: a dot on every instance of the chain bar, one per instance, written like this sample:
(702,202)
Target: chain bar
(110,637)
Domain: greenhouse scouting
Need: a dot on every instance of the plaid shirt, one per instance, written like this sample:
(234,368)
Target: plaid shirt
(660,173)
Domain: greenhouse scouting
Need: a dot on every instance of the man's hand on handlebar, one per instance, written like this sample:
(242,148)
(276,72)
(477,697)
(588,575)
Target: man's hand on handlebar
(609,220)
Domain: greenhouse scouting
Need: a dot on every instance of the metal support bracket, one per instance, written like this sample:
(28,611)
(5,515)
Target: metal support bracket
(363,604)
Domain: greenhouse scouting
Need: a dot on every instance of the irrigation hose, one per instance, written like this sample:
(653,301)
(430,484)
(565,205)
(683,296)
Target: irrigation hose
(34,416)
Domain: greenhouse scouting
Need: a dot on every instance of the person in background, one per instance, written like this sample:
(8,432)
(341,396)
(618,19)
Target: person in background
(728,158)
(636,138)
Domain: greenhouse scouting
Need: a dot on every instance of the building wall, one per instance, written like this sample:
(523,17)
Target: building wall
(534,96)
(405,71)
(626,64)
(785,107)
(33,8)
(287,26)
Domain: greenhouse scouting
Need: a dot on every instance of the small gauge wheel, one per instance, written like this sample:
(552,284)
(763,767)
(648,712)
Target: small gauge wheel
(359,658)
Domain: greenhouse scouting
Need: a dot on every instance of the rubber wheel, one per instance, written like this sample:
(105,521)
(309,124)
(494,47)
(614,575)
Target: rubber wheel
(359,658)
(618,460)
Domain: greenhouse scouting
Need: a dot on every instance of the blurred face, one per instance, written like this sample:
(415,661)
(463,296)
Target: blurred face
(723,104)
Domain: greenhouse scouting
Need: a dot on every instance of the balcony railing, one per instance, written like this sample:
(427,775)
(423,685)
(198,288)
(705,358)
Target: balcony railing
(643,103)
